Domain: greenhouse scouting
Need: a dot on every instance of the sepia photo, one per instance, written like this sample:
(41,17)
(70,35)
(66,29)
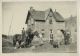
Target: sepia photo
(39,27)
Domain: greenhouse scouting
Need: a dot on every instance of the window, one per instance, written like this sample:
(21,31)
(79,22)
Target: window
(42,32)
(51,30)
(42,29)
(50,15)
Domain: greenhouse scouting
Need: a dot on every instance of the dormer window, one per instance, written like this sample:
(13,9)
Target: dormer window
(32,21)
(42,32)
(50,14)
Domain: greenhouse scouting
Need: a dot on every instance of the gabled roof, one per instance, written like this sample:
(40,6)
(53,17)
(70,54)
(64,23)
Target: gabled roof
(58,17)
(42,15)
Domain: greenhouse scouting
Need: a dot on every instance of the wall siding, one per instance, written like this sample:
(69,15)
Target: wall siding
(46,26)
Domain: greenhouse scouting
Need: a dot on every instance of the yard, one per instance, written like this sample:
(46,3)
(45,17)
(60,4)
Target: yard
(47,47)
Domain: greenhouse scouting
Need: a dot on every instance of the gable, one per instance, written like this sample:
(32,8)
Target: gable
(50,16)
(57,16)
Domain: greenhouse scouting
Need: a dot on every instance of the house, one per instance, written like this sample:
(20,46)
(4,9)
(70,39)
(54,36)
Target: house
(45,21)
(71,25)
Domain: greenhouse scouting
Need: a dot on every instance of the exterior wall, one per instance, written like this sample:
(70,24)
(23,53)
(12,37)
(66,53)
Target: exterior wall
(47,27)
(71,25)
(39,26)
(61,25)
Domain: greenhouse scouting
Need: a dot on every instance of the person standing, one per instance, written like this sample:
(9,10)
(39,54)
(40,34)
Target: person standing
(23,34)
(68,38)
(51,38)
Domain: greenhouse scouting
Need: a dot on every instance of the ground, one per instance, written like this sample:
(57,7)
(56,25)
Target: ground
(7,47)
(47,47)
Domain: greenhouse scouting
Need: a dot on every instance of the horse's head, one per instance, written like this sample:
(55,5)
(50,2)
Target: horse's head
(62,31)
(36,33)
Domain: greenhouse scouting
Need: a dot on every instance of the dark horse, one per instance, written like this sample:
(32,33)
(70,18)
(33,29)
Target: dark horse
(23,42)
(66,37)
(30,37)
(17,38)
(27,39)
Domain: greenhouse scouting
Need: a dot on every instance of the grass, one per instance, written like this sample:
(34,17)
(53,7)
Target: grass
(7,47)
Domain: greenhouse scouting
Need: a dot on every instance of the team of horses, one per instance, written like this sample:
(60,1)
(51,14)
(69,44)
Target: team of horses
(25,42)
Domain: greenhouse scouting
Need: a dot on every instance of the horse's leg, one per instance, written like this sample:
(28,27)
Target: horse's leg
(14,43)
(28,41)
(19,42)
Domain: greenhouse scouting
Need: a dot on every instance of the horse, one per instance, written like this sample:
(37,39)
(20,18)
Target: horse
(19,41)
(37,40)
(17,38)
(57,39)
(27,40)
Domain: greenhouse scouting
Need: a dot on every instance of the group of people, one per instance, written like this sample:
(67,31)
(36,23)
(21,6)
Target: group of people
(28,38)
(33,38)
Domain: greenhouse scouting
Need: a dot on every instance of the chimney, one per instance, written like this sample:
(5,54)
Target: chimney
(31,8)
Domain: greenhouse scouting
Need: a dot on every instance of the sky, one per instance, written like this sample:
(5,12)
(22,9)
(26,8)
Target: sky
(17,13)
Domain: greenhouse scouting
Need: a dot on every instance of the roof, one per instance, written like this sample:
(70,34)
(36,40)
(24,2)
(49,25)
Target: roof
(72,19)
(41,15)
(58,17)
(38,15)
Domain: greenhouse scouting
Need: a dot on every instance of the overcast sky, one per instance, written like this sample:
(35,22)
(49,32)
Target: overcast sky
(18,11)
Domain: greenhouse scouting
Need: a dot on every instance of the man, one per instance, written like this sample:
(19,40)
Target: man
(51,38)
(23,35)
(67,38)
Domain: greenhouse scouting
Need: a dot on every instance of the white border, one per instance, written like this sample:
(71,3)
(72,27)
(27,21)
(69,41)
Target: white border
(39,54)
